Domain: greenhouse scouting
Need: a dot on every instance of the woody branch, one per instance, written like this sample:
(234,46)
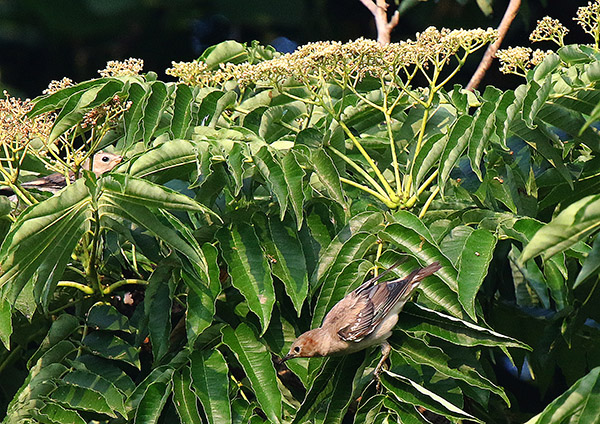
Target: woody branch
(384,27)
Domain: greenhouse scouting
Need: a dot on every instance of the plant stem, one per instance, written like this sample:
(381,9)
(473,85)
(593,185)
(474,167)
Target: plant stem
(509,16)
(461,62)
(79,286)
(373,193)
(589,296)
(358,169)
(390,192)
(428,202)
(387,111)
(388,123)
(91,271)
(67,305)
(239,385)
(413,199)
(428,182)
(120,283)
(408,177)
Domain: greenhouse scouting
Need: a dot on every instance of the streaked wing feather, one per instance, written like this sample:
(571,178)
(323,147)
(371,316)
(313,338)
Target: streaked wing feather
(356,329)
(379,300)
(371,282)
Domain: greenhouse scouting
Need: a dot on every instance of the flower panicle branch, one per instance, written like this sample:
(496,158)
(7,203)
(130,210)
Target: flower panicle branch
(316,66)
(116,68)
(549,29)
(588,17)
(519,60)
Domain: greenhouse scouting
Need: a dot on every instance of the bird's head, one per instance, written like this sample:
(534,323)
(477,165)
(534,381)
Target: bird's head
(103,162)
(308,345)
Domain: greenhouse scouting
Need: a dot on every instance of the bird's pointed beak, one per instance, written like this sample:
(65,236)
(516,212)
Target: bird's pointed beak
(285,358)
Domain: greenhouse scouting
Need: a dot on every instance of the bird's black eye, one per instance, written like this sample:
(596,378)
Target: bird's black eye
(105,159)
(297,349)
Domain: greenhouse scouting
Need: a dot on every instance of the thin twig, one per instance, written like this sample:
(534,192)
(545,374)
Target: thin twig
(384,27)
(509,16)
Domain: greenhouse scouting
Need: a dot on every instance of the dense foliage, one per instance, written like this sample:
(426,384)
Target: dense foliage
(259,190)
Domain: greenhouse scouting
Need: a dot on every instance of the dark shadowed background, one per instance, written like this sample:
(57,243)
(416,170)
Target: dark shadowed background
(41,40)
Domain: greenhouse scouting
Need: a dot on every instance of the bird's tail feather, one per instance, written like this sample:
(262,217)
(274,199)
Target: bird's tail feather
(422,273)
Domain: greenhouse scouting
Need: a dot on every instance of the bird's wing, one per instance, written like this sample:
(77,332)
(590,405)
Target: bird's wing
(371,282)
(52,182)
(377,301)
(354,312)
(355,308)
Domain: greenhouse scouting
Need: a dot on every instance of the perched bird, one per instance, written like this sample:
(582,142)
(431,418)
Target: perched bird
(101,162)
(363,318)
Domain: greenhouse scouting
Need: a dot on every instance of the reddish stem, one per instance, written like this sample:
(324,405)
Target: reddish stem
(384,27)
(509,16)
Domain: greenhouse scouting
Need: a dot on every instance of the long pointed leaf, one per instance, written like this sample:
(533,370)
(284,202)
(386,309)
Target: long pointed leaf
(184,397)
(328,175)
(579,404)
(257,365)
(273,174)
(419,321)
(411,392)
(421,353)
(152,403)
(202,297)
(249,270)
(473,267)
(289,265)
(31,245)
(209,378)
(182,111)
(154,109)
(331,391)
(442,292)
(573,224)
(294,175)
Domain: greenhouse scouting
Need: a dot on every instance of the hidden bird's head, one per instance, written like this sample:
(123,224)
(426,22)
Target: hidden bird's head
(102,162)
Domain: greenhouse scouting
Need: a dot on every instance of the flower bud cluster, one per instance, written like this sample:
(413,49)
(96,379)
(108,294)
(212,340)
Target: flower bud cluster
(16,128)
(56,86)
(111,111)
(518,60)
(115,68)
(588,17)
(342,62)
(549,29)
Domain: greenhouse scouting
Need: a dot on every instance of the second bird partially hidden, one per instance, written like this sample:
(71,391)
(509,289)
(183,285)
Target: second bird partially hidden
(363,318)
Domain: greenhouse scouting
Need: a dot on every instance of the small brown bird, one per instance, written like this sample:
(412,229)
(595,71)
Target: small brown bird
(363,318)
(101,162)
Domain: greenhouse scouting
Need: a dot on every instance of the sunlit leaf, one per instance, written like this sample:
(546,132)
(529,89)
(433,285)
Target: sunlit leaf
(591,265)
(257,365)
(210,380)
(184,397)
(152,403)
(421,353)
(248,268)
(581,402)
(573,224)
(408,391)
(473,267)
(421,321)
